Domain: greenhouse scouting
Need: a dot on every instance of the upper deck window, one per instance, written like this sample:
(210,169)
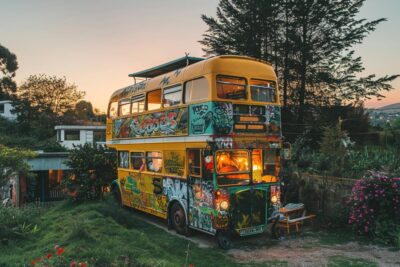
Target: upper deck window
(172,96)
(124,107)
(231,87)
(154,99)
(196,90)
(263,91)
(137,104)
(113,111)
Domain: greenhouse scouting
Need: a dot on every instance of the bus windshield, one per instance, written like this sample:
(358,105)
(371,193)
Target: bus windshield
(233,167)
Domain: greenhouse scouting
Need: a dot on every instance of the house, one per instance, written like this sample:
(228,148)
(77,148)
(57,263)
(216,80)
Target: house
(6,110)
(70,135)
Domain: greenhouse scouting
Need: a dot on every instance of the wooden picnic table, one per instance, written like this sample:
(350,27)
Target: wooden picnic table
(293,217)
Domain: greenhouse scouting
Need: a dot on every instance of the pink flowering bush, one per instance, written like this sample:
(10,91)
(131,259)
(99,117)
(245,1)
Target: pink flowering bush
(375,208)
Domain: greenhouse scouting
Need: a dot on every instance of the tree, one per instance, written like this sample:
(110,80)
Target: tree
(8,67)
(92,168)
(42,100)
(13,160)
(309,42)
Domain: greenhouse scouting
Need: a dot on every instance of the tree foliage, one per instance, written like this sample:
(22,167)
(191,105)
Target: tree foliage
(93,168)
(309,42)
(13,160)
(8,67)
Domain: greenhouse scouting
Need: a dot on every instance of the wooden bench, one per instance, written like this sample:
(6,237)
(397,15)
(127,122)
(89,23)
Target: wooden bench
(293,217)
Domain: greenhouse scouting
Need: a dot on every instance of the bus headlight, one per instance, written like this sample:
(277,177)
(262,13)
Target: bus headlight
(275,194)
(224,205)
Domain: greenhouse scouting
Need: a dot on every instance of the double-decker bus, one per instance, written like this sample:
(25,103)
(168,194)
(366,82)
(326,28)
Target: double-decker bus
(198,143)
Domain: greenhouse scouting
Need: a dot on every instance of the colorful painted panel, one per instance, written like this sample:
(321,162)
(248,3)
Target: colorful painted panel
(211,118)
(273,120)
(164,123)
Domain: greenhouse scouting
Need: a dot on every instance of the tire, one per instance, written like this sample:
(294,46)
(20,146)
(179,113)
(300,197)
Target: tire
(224,240)
(178,219)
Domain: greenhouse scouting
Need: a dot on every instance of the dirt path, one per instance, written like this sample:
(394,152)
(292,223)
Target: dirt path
(297,253)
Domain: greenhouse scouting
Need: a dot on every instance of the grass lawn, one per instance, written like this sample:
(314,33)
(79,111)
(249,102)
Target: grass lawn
(102,234)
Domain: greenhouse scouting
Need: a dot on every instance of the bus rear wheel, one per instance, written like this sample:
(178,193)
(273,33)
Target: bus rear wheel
(178,219)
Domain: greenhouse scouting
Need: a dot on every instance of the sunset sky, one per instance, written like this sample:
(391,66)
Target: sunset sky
(97,43)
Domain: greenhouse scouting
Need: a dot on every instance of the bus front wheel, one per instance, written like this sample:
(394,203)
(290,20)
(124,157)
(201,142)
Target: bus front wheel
(178,219)
(224,240)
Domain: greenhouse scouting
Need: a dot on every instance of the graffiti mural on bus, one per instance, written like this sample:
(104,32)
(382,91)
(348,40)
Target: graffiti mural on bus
(273,119)
(175,189)
(169,122)
(211,118)
(201,205)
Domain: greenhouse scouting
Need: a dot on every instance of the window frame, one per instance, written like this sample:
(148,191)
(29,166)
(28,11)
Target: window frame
(184,93)
(147,99)
(142,157)
(119,162)
(262,80)
(126,104)
(72,130)
(109,110)
(246,86)
(162,161)
(179,85)
(200,175)
(136,99)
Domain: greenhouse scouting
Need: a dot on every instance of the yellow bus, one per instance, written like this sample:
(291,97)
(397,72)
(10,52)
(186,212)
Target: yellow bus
(198,143)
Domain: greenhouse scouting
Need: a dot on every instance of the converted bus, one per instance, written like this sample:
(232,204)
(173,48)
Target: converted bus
(198,143)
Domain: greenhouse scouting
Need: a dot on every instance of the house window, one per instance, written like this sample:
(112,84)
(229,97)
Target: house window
(72,135)
(154,161)
(123,159)
(154,99)
(172,96)
(196,90)
(231,87)
(99,136)
(137,104)
(1,108)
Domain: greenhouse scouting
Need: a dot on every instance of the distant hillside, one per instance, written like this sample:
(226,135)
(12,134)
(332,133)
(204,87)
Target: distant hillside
(393,108)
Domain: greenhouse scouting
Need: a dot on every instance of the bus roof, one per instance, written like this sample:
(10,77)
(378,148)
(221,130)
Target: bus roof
(166,67)
(226,64)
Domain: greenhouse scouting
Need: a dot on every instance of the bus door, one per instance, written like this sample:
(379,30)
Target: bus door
(201,190)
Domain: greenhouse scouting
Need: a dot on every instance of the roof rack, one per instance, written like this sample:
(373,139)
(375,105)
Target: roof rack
(166,67)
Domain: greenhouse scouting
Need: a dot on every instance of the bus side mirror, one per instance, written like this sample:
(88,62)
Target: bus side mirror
(286,153)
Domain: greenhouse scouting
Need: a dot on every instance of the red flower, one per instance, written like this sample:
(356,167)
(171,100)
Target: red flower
(60,251)
(49,255)
(33,262)
(39,259)
(73,264)
(82,264)
(191,265)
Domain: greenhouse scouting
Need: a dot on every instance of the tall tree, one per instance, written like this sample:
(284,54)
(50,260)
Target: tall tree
(8,67)
(309,42)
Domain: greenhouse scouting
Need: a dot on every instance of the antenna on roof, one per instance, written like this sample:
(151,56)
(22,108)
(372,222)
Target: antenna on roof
(187,58)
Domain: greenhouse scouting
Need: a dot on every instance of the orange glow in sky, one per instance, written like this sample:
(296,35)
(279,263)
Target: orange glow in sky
(97,43)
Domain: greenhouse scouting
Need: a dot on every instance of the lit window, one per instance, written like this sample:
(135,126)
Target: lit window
(113,111)
(124,107)
(137,104)
(232,161)
(137,161)
(263,91)
(123,159)
(72,135)
(196,90)
(154,161)
(231,87)
(172,96)
(154,99)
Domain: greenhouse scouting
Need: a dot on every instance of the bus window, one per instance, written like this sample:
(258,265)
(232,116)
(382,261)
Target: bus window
(172,96)
(154,161)
(270,162)
(124,107)
(113,111)
(137,161)
(232,167)
(194,162)
(174,162)
(154,99)
(262,91)
(196,90)
(137,104)
(123,159)
(231,87)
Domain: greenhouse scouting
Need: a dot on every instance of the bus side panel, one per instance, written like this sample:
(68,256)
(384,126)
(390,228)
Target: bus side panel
(176,189)
(143,191)
(201,204)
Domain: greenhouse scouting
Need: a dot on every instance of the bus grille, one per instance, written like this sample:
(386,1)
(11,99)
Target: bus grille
(248,208)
